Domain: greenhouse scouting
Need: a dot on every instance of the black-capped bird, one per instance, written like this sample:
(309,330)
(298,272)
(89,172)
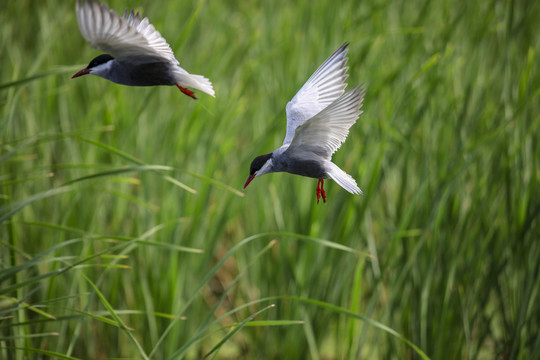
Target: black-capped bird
(136,53)
(318,120)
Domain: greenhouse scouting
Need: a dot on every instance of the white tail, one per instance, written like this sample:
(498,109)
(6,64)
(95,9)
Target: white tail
(197,82)
(344,180)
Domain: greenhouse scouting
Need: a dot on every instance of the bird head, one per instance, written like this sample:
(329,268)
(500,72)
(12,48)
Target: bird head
(259,166)
(97,66)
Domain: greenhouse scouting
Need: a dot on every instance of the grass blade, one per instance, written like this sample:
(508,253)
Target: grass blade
(117,318)
(10,210)
(49,354)
(58,71)
(121,171)
(235,330)
(374,323)
(128,157)
(105,320)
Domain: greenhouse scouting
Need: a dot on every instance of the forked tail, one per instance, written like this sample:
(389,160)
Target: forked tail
(344,180)
(197,82)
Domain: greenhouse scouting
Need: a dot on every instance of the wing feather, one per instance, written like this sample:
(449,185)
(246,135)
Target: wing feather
(122,37)
(326,131)
(323,87)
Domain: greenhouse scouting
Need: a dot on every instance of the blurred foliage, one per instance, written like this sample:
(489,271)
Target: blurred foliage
(104,253)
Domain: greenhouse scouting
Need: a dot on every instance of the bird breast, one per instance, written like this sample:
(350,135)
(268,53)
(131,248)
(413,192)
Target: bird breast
(142,74)
(304,166)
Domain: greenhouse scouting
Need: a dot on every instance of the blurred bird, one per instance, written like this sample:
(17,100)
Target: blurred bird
(137,54)
(318,120)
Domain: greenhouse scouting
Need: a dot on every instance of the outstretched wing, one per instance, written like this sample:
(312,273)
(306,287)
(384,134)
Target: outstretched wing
(322,88)
(122,37)
(325,132)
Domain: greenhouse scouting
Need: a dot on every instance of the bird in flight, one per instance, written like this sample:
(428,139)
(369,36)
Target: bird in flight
(318,120)
(136,53)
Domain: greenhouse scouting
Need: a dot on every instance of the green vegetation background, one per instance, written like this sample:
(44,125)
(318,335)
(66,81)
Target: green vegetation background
(107,252)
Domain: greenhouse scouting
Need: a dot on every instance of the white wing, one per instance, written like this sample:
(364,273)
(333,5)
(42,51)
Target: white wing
(325,132)
(322,88)
(121,37)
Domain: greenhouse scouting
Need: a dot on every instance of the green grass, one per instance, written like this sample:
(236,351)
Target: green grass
(124,232)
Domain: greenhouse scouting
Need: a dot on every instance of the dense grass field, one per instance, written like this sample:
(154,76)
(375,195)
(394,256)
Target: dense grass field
(125,233)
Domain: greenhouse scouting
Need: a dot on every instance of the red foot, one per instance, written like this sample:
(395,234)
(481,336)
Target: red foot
(187,91)
(320,191)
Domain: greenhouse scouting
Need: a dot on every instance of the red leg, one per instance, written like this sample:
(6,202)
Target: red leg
(186,91)
(318,191)
(322,190)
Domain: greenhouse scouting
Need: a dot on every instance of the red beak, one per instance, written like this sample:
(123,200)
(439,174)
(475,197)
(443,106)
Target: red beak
(81,73)
(251,177)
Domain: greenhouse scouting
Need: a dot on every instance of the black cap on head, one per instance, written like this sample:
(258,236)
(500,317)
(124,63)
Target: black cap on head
(98,60)
(258,163)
